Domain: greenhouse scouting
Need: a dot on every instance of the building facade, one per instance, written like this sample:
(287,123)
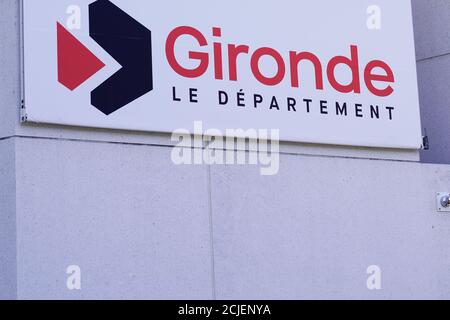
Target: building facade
(114,205)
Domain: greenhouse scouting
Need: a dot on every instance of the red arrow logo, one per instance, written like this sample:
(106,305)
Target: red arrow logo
(76,63)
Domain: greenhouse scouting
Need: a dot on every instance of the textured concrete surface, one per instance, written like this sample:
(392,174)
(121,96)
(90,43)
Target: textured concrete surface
(432,35)
(137,225)
(9,67)
(431,25)
(8,267)
(311,231)
(434,82)
(141,227)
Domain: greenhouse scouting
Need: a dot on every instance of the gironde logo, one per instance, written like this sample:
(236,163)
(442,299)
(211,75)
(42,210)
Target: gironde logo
(126,40)
(130,44)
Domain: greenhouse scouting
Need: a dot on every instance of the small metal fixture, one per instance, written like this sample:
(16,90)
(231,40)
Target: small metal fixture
(443,201)
(426,143)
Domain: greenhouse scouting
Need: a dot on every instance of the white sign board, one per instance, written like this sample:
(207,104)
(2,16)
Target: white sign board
(328,72)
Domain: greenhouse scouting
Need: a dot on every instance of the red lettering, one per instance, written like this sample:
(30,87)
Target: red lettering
(233,52)
(281,67)
(353,63)
(369,78)
(295,59)
(201,56)
(385,76)
(218,69)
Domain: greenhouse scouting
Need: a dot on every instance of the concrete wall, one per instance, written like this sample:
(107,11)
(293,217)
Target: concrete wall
(9,93)
(432,23)
(311,231)
(113,203)
(8,266)
(140,227)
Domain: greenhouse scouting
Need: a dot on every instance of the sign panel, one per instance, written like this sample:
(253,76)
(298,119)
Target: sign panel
(329,72)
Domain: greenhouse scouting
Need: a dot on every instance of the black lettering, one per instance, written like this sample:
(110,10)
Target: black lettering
(257,99)
(308,102)
(241,99)
(341,110)
(374,112)
(274,104)
(390,109)
(323,107)
(193,95)
(174,94)
(291,102)
(358,110)
(223,98)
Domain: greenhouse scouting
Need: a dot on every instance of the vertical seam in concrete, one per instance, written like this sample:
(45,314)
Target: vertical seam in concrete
(211,232)
(16,285)
(15,140)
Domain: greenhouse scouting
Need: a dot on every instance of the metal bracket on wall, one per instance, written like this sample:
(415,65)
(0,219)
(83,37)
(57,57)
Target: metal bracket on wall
(426,143)
(23,112)
(443,201)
